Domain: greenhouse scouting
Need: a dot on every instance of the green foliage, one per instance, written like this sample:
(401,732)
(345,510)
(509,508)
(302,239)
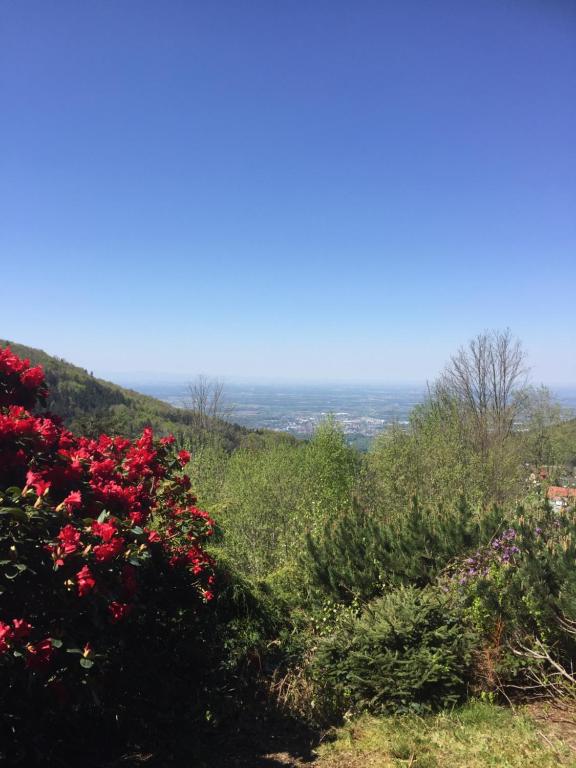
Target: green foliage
(268,496)
(518,592)
(438,460)
(408,651)
(245,618)
(91,406)
(361,554)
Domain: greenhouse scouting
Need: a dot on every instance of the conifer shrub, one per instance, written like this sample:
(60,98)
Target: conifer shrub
(361,554)
(408,651)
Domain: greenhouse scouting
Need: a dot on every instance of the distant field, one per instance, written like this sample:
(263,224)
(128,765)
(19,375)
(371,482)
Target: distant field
(363,411)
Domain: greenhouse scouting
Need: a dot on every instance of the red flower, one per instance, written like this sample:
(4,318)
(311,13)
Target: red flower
(38,483)
(33,377)
(70,538)
(21,629)
(154,537)
(102,469)
(183,457)
(105,530)
(6,634)
(48,430)
(73,501)
(119,610)
(105,552)
(86,581)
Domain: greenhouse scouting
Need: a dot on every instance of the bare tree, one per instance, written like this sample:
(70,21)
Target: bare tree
(206,404)
(486,378)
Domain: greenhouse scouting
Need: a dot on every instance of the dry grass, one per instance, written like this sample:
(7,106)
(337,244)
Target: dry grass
(480,735)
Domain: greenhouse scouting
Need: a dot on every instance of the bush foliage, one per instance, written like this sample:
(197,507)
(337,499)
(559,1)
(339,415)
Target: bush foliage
(101,548)
(407,651)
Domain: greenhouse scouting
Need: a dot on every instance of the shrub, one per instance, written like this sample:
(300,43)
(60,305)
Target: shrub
(101,560)
(361,554)
(519,585)
(408,651)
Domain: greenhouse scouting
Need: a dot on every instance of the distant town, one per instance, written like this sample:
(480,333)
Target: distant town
(363,411)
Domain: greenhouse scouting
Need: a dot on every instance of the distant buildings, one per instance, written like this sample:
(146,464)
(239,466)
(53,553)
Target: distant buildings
(560,496)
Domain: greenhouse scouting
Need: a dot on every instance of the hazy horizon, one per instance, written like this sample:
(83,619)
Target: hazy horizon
(139,378)
(133,378)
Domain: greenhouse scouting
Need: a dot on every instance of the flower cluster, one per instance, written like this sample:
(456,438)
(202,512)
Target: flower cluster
(501,551)
(19,383)
(82,523)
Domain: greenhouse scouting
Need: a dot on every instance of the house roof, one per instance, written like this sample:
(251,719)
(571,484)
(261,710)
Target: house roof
(558,492)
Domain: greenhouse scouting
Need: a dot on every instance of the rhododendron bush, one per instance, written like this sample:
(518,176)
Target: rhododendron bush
(94,534)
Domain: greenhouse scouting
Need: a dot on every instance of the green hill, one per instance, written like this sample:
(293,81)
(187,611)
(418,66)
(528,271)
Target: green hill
(91,406)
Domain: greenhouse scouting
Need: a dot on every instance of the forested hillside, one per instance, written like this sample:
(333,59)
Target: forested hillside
(90,406)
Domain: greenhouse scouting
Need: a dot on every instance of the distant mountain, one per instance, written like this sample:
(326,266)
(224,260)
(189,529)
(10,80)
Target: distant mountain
(91,406)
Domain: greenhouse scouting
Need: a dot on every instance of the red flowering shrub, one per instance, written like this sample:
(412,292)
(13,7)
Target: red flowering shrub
(94,533)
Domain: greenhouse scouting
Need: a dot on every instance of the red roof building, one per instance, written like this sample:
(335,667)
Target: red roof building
(558,492)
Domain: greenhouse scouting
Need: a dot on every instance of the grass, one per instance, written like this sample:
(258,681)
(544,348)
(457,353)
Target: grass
(480,735)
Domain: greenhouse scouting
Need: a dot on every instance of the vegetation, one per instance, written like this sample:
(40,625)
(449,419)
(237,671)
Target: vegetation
(401,582)
(409,650)
(476,736)
(89,406)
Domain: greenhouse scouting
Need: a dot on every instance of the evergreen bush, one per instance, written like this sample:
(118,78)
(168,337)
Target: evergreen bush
(409,651)
(361,554)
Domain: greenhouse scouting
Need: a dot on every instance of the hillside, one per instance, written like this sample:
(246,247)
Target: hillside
(89,405)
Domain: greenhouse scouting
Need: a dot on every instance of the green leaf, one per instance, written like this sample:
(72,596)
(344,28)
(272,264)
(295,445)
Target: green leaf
(56,643)
(13,575)
(86,663)
(16,512)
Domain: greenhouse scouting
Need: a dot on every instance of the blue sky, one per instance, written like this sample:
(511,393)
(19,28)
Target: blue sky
(300,190)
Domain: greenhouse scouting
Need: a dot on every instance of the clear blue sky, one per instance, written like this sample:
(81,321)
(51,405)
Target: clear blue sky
(312,189)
